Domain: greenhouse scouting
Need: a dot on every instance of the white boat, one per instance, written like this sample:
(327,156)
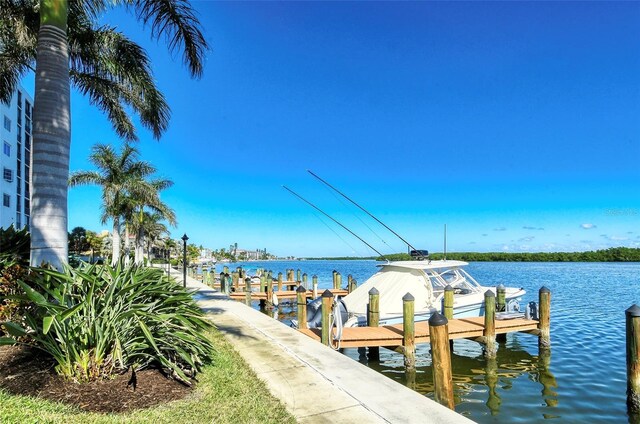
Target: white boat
(426,281)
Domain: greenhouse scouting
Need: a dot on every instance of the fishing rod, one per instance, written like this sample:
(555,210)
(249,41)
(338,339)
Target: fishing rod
(419,252)
(334,220)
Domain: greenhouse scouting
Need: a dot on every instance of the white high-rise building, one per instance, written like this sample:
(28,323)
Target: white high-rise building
(15,159)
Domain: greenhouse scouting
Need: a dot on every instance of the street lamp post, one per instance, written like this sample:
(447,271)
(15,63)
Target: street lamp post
(184,260)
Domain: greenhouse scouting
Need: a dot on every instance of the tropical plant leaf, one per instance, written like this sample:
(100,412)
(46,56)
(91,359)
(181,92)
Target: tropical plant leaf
(14,329)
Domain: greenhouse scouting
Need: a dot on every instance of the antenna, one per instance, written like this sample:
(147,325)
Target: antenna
(445,242)
(365,211)
(334,220)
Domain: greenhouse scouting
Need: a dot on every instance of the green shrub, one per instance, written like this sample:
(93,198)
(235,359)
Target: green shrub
(11,309)
(14,245)
(96,320)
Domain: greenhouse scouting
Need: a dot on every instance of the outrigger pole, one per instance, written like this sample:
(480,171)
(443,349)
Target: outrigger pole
(334,220)
(366,211)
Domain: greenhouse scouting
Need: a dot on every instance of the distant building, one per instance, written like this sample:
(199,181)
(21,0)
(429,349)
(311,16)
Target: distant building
(15,160)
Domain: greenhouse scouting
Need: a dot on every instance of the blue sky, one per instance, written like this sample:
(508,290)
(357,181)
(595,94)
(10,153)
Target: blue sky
(514,123)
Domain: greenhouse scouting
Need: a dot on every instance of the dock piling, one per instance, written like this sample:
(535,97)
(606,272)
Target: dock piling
(223,284)
(633,359)
(315,286)
(373,317)
(279,281)
(269,292)
(305,281)
(544,300)
(327,303)
(302,307)
(338,283)
(447,302)
(501,296)
(489,332)
(408,330)
(441,357)
(247,291)
(353,284)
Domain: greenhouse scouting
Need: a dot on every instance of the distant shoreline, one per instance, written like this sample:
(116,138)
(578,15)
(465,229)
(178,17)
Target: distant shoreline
(614,254)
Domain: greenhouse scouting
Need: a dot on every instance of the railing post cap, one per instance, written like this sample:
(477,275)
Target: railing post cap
(500,286)
(633,311)
(301,289)
(408,298)
(437,319)
(489,293)
(448,288)
(374,291)
(327,293)
(545,289)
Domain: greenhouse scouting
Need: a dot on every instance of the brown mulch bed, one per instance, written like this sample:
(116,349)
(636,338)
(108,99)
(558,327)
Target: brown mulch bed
(29,372)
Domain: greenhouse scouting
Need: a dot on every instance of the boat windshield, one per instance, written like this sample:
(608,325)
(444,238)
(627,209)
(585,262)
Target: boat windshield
(457,278)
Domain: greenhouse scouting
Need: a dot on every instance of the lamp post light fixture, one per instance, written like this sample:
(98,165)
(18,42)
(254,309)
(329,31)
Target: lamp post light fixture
(184,260)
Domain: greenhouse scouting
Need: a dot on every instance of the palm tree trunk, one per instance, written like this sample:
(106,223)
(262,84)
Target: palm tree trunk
(115,241)
(51,138)
(127,249)
(139,254)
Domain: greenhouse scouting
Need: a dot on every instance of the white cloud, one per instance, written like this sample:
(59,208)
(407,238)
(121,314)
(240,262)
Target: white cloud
(500,229)
(588,226)
(533,228)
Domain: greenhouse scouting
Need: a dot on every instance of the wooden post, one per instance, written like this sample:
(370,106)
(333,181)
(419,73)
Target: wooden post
(305,280)
(298,276)
(263,287)
(247,291)
(349,278)
(327,303)
(501,306)
(302,307)
(373,318)
(633,359)
(501,296)
(235,278)
(225,269)
(447,307)
(335,273)
(447,302)
(279,281)
(353,284)
(338,281)
(269,293)
(408,330)
(489,331)
(223,284)
(314,279)
(544,309)
(441,358)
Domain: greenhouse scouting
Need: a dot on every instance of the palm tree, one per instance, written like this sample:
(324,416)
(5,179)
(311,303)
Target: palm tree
(148,197)
(119,175)
(63,39)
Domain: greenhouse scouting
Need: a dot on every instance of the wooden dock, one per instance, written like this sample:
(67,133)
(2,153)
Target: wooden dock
(392,335)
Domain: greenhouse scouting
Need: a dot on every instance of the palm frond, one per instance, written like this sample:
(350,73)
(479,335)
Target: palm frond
(176,21)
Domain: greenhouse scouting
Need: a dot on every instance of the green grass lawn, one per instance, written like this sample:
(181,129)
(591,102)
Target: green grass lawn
(227,392)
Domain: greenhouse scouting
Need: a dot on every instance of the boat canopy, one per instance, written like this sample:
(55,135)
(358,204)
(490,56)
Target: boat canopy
(393,282)
(424,264)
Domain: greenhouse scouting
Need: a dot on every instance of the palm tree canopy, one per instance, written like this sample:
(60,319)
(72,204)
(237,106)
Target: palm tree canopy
(113,71)
(117,173)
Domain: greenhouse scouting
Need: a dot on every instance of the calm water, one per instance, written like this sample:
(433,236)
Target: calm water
(582,380)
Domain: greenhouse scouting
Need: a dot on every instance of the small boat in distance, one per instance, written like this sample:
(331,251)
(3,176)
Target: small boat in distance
(426,281)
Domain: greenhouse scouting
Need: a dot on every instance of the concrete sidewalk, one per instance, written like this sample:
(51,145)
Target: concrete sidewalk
(315,383)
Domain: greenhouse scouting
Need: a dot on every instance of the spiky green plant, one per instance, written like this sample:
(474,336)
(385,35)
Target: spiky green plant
(97,320)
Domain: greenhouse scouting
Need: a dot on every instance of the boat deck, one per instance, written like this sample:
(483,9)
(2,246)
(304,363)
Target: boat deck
(391,335)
